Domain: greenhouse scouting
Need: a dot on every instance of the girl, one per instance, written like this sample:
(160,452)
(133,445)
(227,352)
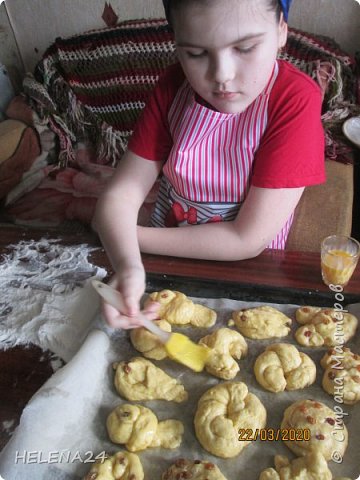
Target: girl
(236,134)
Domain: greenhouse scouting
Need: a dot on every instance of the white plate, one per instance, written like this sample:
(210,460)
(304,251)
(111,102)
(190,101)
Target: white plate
(351,129)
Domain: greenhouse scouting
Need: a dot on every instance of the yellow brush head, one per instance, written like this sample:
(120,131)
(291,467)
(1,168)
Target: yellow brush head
(183,350)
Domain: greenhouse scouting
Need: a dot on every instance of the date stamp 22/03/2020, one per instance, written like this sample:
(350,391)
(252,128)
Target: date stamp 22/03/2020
(274,434)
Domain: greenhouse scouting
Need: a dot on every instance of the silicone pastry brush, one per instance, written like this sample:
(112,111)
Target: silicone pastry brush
(179,347)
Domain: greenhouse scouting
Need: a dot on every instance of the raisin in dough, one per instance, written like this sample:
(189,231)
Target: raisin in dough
(194,469)
(139,380)
(138,428)
(311,466)
(324,326)
(262,322)
(303,315)
(226,345)
(342,375)
(221,412)
(282,367)
(178,309)
(121,466)
(149,344)
(327,434)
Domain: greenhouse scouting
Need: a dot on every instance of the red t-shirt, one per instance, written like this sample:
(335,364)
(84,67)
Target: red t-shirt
(291,151)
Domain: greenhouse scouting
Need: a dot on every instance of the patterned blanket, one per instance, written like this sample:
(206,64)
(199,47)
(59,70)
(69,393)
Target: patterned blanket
(92,87)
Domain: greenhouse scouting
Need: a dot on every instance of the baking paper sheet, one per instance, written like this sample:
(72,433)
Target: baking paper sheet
(63,427)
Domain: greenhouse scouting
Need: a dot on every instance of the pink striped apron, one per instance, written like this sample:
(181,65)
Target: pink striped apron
(207,175)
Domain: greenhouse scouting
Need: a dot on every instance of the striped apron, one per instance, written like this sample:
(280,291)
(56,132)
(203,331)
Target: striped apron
(207,175)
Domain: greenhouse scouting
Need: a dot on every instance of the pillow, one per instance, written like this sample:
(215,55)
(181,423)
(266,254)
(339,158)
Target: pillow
(19,147)
(19,109)
(10,135)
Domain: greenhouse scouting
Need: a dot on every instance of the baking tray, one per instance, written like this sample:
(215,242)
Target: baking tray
(246,292)
(81,395)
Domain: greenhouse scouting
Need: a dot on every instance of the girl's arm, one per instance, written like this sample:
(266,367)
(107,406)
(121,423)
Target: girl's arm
(261,217)
(115,221)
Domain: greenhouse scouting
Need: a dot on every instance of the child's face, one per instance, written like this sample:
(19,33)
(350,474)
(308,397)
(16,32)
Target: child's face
(227,49)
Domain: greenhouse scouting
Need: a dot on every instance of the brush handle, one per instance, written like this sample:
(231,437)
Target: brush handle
(114,298)
(150,325)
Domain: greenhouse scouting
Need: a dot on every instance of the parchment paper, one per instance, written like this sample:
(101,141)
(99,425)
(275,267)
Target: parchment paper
(68,414)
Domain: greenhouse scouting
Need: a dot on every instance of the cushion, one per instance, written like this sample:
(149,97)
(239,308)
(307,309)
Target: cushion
(10,135)
(19,147)
(18,109)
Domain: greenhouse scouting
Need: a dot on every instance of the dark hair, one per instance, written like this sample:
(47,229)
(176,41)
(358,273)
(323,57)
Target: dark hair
(171,5)
(275,6)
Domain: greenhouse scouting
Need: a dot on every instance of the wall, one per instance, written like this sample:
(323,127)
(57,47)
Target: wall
(36,23)
(9,53)
(339,19)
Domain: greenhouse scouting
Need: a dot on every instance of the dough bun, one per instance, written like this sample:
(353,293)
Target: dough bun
(195,469)
(311,466)
(324,326)
(327,434)
(282,367)
(138,428)
(178,309)
(221,412)
(121,466)
(227,346)
(342,375)
(262,322)
(139,380)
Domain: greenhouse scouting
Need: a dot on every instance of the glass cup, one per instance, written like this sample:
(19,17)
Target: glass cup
(339,257)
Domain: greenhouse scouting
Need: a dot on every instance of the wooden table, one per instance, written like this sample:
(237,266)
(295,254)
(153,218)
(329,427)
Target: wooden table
(274,276)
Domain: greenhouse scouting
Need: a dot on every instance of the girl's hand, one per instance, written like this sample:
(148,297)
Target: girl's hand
(130,282)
